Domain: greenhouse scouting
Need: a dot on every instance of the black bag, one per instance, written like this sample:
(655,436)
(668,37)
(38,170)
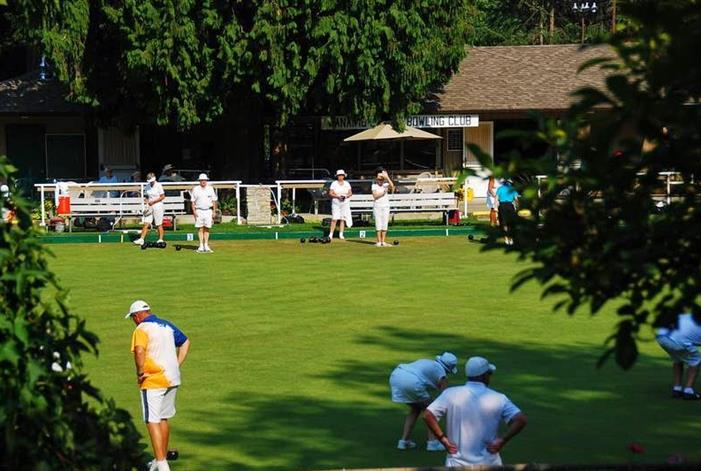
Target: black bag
(294,219)
(104,224)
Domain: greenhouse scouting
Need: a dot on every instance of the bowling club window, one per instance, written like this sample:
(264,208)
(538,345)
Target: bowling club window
(455,139)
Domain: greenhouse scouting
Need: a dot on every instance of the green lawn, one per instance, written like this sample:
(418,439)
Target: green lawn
(292,346)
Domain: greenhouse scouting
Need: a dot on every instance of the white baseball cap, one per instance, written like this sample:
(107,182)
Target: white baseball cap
(340,171)
(203,176)
(477,366)
(448,361)
(137,306)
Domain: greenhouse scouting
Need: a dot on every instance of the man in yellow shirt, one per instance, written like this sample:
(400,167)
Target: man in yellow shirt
(159,349)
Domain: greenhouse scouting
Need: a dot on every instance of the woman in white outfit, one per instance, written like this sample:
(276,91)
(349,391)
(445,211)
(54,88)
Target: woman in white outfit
(340,193)
(492,200)
(153,214)
(381,189)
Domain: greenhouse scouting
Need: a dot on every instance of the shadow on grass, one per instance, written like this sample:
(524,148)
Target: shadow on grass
(577,414)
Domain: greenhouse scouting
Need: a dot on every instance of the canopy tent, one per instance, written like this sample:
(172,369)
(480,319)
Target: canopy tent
(385,132)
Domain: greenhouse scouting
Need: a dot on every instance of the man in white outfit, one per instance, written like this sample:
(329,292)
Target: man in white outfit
(340,193)
(474,412)
(153,214)
(204,203)
(381,189)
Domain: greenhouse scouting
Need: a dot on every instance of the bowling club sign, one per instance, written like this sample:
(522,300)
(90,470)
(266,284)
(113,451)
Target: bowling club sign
(342,123)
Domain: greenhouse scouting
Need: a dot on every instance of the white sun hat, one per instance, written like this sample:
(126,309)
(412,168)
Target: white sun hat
(137,306)
(340,171)
(203,176)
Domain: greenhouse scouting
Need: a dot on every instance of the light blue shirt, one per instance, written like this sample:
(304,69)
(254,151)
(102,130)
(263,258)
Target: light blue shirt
(506,194)
(430,372)
(688,332)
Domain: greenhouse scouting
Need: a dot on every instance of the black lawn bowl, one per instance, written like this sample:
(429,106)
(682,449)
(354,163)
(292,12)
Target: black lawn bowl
(172,455)
(302,240)
(326,240)
(154,245)
(471,237)
(179,247)
(396,242)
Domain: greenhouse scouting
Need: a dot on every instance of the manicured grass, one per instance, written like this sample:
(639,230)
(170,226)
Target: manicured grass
(292,346)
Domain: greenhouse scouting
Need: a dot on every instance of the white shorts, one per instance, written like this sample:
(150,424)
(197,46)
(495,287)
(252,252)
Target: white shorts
(491,202)
(154,214)
(204,218)
(340,209)
(407,388)
(679,352)
(158,404)
(381,214)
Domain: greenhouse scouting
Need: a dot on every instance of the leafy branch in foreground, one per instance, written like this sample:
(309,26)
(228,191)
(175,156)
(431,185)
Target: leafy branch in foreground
(601,230)
(51,416)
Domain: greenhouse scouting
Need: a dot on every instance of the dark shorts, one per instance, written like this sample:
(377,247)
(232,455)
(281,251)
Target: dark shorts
(507,216)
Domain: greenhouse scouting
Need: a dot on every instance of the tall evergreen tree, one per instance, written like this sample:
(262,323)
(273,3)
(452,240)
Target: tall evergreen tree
(185,62)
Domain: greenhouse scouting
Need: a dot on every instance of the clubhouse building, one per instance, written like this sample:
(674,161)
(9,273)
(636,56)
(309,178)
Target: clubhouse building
(495,88)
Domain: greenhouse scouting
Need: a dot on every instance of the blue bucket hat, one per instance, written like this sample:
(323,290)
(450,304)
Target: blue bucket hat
(448,361)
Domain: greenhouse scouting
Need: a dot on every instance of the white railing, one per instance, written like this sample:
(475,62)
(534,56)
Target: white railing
(128,189)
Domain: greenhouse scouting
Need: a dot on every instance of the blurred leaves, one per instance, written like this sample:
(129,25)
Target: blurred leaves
(51,417)
(597,232)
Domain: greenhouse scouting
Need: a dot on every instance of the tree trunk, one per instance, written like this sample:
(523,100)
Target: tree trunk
(552,24)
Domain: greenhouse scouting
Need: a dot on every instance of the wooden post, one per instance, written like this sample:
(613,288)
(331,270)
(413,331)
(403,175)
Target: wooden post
(613,17)
(552,23)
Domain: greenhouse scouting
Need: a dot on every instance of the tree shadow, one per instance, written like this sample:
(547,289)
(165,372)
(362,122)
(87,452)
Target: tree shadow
(577,414)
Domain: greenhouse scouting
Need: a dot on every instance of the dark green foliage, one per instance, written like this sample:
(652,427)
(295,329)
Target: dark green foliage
(518,22)
(597,234)
(185,62)
(51,417)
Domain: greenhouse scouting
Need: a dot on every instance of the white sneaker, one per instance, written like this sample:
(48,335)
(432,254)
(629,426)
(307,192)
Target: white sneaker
(208,250)
(434,445)
(385,244)
(340,236)
(379,244)
(406,444)
(200,250)
(152,465)
(139,241)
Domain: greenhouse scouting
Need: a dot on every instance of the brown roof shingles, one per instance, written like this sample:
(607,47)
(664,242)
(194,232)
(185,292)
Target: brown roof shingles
(29,95)
(520,78)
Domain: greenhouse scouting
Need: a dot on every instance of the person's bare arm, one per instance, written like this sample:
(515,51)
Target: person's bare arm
(378,194)
(139,360)
(389,180)
(514,428)
(194,209)
(183,350)
(432,424)
(442,384)
(158,200)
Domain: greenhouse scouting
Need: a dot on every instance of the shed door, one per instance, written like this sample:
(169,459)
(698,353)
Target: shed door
(65,156)
(25,149)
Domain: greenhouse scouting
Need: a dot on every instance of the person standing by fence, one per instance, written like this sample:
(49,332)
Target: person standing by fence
(381,189)
(507,197)
(340,193)
(155,209)
(204,204)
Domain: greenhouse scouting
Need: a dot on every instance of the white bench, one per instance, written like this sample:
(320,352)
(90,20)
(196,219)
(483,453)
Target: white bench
(408,203)
(121,207)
